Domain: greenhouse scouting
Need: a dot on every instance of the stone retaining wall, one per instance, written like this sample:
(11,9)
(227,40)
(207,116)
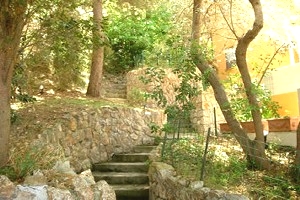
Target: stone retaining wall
(169,84)
(94,135)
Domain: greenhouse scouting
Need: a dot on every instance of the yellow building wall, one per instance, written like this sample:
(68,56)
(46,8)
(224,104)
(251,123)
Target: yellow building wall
(289,104)
(285,66)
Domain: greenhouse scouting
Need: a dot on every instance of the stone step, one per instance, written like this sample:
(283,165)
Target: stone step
(130,157)
(116,95)
(121,167)
(122,177)
(131,192)
(127,173)
(115,91)
(143,148)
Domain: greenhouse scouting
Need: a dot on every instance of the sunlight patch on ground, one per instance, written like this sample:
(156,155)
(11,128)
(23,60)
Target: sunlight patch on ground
(16,106)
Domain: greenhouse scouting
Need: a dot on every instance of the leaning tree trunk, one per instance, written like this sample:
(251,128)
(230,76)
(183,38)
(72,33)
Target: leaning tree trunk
(253,149)
(297,159)
(94,86)
(241,54)
(12,21)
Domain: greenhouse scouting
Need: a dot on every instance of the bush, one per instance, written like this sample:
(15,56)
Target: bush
(240,104)
(25,159)
(136,97)
(132,32)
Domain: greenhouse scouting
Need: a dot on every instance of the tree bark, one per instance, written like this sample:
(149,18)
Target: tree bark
(297,159)
(12,21)
(241,55)
(196,20)
(254,150)
(94,86)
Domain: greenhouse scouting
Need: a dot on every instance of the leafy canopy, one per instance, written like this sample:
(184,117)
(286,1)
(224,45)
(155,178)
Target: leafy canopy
(132,32)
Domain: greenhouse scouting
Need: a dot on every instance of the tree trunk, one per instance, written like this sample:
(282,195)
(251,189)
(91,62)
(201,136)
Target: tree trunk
(94,86)
(254,150)
(5,121)
(297,159)
(196,20)
(241,54)
(12,21)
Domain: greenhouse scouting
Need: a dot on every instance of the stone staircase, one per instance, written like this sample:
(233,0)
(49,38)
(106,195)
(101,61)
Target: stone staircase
(127,173)
(114,86)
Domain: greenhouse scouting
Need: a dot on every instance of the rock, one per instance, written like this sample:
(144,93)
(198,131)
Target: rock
(36,179)
(83,187)
(73,124)
(215,194)
(86,164)
(31,192)
(103,191)
(85,179)
(7,188)
(58,194)
(63,167)
(235,197)
(197,184)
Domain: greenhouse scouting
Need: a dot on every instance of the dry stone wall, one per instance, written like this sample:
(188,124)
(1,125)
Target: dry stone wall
(169,83)
(209,103)
(54,185)
(94,135)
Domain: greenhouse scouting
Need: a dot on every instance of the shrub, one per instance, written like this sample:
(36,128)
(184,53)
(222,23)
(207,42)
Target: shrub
(136,97)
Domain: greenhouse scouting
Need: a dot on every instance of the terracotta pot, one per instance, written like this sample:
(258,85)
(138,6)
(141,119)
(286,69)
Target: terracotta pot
(283,125)
(247,126)
(224,128)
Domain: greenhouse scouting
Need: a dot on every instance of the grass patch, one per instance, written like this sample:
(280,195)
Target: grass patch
(25,158)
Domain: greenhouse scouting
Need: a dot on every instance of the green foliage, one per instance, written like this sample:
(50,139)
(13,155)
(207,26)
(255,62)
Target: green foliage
(157,140)
(132,32)
(223,173)
(179,118)
(295,173)
(240,104)
(25,98)
(180,63)
(136,97)
(26,158)
(278,187)
(23,166)
(154,128)
(185,155)
(55,48)
(13,116)
(226,169)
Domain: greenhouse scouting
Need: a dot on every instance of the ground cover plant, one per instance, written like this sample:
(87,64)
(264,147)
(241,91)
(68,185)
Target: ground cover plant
(226,167)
